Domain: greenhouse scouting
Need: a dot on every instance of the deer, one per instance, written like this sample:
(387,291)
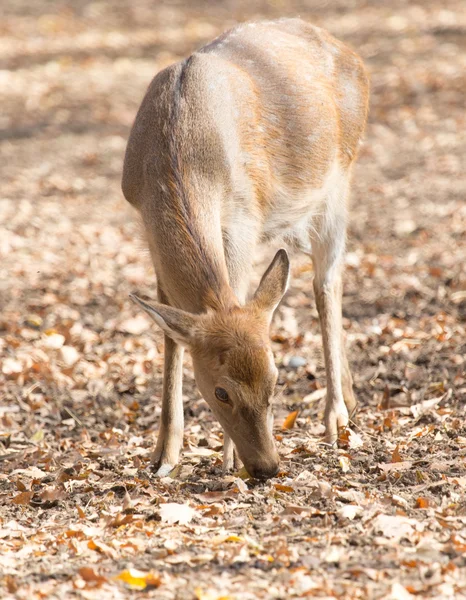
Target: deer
(249,140)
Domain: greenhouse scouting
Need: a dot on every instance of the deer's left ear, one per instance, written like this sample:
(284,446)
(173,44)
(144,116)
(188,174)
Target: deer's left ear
(273,285)
(179,325)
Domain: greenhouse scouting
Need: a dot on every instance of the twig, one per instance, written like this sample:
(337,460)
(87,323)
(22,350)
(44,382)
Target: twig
(73,416)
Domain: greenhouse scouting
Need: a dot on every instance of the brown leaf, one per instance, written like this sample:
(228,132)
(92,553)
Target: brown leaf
(396,458)
(290,420)
(283,488)
(422,502)
(90,576)
(103,548)
(211,497)
(11,584)
(400,466)
(23,498)
(385,402)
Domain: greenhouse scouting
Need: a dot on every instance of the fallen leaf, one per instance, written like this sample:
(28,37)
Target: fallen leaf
(395,526)
(419,409)
(200,594)
(171,513)
(23,498)
(38,436)
(90,576)
(344,463)
(349,511)
(283,488)
(69,355)
(53,340)
(243,474)
(290,420)
(396,458)
(102,548)
(139,580)
(422,502)
(355,441)
(135,325)
(33,472)
(399,466)
(315,395)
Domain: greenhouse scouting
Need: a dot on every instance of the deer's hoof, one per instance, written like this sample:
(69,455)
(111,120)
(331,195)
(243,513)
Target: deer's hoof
(335,421)
(164,470)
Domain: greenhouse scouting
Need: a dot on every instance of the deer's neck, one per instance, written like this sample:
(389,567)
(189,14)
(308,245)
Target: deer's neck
(186,245)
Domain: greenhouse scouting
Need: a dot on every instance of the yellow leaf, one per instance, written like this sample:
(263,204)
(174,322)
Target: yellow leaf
(290,420)
(139,580)
(344,463)
(221,539)
(234,538)
(243,474)
(38,436)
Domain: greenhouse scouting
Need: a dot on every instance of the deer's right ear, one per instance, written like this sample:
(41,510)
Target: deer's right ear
(274,284)
(179,325)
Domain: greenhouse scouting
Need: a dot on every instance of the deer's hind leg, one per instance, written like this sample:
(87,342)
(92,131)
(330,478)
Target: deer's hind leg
(328,245)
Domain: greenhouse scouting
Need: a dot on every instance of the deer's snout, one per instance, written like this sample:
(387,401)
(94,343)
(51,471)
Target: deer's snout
(264,472)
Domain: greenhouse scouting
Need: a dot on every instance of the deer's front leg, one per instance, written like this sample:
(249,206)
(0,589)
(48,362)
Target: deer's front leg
(170,440)
(239,252)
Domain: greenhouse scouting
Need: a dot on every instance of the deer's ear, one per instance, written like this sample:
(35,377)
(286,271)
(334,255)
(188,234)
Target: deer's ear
(273,285)
(179,325)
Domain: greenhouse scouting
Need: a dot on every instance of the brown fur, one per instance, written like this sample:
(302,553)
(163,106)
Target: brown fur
(232,146)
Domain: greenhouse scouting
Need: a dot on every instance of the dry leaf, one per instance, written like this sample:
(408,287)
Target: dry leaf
(396,458)
(290,420)
(90,576)
(135,325)
(139,580)
(344,463)
(176,513)
(283,488)
(355,441)
(422,502)
(23,498)
(395,527)
(349,511)
(400,466)
(315,396)
(53,340)
(103,548)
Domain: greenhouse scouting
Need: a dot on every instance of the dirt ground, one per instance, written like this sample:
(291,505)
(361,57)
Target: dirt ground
(81,514)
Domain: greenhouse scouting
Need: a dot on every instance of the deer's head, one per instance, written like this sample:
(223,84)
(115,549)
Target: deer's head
(233,364)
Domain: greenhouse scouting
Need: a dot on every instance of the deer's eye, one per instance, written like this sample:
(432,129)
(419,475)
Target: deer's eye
(222,395)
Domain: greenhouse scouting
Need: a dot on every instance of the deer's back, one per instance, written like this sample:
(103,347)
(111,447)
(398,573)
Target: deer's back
(262,114)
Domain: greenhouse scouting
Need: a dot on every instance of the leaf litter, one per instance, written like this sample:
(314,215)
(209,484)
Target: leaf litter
(82,515)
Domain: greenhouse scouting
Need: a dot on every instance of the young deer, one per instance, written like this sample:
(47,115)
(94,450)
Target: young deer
(250,139)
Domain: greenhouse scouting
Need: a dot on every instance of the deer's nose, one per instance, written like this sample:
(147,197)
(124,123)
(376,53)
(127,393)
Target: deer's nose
(266,472)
